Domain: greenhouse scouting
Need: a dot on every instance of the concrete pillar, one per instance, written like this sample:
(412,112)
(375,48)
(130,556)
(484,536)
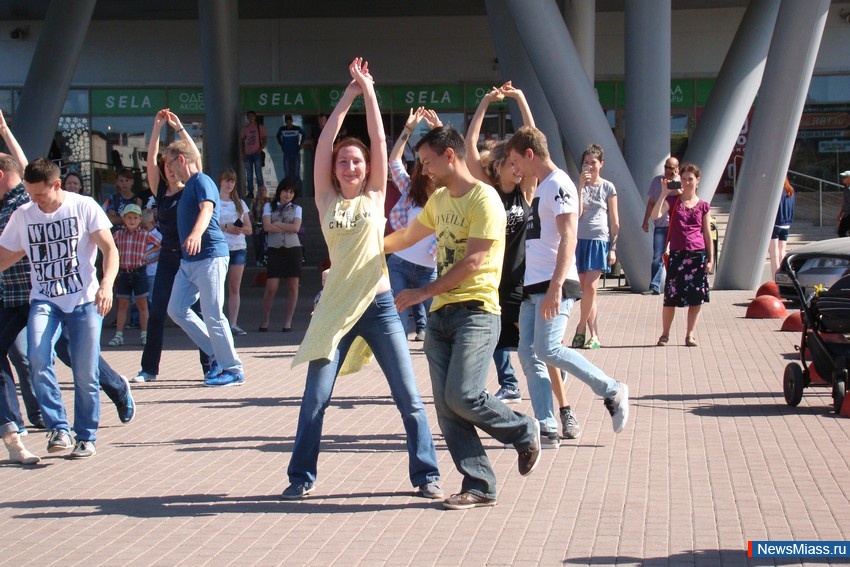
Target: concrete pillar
(732,96)
(647,45)
(580,16)
(515,66)
(790,62)
(582,121)
(219,25)
(51,70)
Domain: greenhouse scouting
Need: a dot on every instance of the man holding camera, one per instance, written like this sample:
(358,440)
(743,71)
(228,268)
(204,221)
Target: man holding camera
(659,236)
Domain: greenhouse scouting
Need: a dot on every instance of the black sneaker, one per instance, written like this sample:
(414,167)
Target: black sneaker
(467,500)
(297,491)
(127,407)
(529,458)
(569,422)
(58,440)
(549,439)
(83,450)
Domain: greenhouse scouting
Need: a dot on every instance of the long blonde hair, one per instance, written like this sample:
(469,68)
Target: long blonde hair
(230,175)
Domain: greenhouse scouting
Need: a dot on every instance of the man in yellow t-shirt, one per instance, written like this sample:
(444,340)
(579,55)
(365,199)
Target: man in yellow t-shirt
(468,219)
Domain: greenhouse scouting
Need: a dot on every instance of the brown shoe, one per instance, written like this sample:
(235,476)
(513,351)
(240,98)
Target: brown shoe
(467,500)
(529,458)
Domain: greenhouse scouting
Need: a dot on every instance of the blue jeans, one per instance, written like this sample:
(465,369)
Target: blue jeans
(254,165)
(407,275)
(166,271)
(539,345)
(381,328)
(504,369)
(10,411)
(83,325)
(459,344)
(292,165)
(204,279)
(659,239)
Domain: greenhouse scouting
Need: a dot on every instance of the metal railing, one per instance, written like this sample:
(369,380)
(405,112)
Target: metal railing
(820,187)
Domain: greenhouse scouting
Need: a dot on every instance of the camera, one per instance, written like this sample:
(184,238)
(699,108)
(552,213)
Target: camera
(674,185)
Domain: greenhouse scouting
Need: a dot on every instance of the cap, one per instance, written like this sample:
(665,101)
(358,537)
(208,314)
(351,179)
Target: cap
(131,209)
(844,173)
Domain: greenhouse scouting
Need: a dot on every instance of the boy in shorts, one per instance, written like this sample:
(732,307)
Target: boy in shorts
(135,246)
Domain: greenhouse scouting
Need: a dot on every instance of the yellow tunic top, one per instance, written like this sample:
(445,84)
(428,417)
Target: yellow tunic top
(354,232)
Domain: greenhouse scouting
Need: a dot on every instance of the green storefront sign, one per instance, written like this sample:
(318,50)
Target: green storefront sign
(682,93)
(444,97)
(127,102)
(186,101)
(280,99)
(329,97)
(474,94)
(606,92)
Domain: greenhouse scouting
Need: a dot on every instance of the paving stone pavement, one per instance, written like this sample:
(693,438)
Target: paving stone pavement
(712,457)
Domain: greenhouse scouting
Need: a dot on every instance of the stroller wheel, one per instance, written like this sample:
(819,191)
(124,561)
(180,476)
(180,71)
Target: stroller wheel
(792,384)
(839,390)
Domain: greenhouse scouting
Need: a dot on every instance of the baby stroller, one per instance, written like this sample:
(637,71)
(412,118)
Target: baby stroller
(826,325)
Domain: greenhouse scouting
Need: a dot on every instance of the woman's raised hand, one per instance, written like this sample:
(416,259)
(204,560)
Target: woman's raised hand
(414,117)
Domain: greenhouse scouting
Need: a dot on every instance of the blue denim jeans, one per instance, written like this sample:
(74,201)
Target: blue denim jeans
(10,411)
(459,345)
(254,165)
(292,165)
(659,239)
(539,345)
(83,326)
(504,369)
(204,279)
(381,328)
(166,272)
(407,275)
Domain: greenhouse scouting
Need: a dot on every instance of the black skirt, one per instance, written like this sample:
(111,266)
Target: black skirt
(687,280)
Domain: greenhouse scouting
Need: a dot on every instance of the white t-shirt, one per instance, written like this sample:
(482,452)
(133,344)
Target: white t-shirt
(420,253)
(227,215)
(60,249)
(554,196)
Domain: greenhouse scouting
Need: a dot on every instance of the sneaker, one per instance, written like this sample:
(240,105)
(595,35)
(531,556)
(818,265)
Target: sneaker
(144,339)
(143,376)
(215,370)
(297,491)
(618,407)
(569,422)
(58,440)
(226,378)
(22,431)
(593,344)
(509,395)
(549,439)
(127,407)
(420,336)
(467,500)
(83,450)
(238,331)
(430,490)
(529,458)
(117,340)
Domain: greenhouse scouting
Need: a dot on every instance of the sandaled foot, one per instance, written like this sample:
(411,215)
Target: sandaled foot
(690,341)
(578,340)
(662,340)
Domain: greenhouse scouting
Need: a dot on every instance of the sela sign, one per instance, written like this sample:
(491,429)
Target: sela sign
(126,102)
(281,99)
(449,97)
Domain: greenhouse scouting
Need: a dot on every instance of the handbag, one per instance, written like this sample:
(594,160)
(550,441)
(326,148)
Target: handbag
(666,256)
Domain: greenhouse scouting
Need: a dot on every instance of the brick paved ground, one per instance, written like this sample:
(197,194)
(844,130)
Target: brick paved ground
(711,458)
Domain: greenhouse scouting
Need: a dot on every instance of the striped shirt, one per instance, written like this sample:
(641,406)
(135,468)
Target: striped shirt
(14,282)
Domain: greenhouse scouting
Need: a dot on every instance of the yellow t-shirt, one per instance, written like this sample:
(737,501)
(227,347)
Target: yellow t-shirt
(478,214)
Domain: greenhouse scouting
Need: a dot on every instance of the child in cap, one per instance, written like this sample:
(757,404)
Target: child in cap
(135,251)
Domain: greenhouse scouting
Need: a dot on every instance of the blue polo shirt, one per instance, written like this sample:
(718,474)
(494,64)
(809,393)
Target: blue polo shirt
(199,188)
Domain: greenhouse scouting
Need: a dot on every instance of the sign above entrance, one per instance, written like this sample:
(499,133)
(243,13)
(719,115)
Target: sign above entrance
(474,94)
(328,98)
(444,97)
(127,102)
(280,99)
(833,146)
(186,101)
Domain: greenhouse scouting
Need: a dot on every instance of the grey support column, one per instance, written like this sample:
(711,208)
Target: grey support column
(733,95)
(50,73)
(580,16)
(513,60)
(647,44)
(793,51)
(582,121)
(219,21)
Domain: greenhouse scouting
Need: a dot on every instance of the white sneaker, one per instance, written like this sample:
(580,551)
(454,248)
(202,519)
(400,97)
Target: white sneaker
(618,407)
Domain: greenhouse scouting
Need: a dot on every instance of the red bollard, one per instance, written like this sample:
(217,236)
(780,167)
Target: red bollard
(766,307)
(793,322)
(768,288)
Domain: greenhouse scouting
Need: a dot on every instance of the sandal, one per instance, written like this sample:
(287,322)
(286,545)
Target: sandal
(690,341)
(578,341)
(593,344)
(662,340)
